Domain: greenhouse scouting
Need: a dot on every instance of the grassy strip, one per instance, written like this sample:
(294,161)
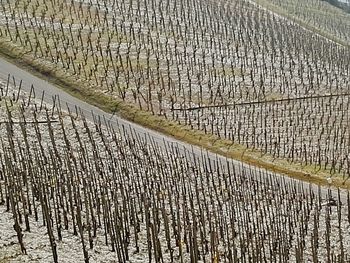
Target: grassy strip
(212,143)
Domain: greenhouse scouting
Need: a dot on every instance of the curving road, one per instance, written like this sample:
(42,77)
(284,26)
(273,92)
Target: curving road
(90,111)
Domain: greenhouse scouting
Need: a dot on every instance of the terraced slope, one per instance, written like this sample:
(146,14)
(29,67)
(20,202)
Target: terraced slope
(227,68)
(73,191)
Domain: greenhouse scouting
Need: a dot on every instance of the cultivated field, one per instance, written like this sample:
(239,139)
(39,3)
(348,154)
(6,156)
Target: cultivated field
(228,68)
(72,190)
(321,16)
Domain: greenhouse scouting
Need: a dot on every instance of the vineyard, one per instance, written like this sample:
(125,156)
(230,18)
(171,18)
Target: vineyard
(249,77)
(329,17)
(77,186)
(76,190)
